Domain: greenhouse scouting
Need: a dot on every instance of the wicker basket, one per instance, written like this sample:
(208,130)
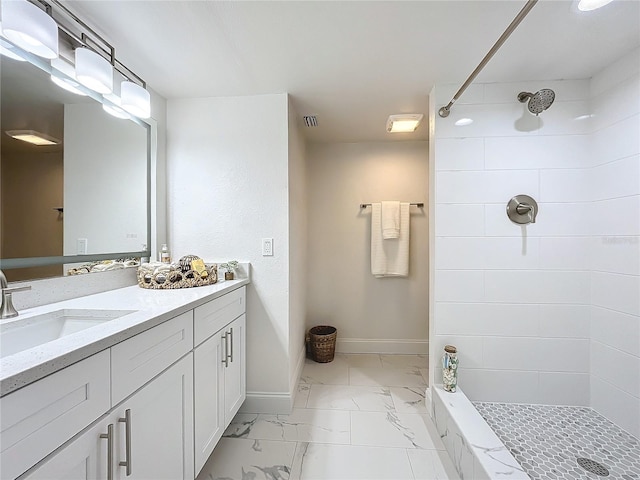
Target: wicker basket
(322,343)
(177,278)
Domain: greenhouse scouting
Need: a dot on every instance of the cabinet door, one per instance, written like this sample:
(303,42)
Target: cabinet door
(235,387)
(160,440)
(208,385)
(85,458)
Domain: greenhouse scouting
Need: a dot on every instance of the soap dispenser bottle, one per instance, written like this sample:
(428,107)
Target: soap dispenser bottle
(165,256)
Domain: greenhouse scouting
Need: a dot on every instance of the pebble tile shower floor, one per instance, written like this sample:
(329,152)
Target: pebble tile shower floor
(360,417)
(548,441)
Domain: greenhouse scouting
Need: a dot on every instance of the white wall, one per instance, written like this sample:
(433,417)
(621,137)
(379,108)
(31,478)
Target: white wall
(614,188)
(298,229)
(371,314)
(514,300)
(549,313)
(227,167)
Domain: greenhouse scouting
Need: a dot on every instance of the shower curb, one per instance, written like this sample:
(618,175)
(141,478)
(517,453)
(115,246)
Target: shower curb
(475,450)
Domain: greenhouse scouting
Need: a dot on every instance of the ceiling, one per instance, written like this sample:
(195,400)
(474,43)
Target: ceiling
(353,63)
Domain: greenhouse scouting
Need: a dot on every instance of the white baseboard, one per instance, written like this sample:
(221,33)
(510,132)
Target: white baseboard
(398,346)
(297,373)
(267,402)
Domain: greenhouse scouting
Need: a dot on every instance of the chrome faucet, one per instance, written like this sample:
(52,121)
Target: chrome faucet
(7,310)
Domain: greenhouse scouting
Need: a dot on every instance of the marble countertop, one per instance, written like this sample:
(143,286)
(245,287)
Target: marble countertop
(151,307)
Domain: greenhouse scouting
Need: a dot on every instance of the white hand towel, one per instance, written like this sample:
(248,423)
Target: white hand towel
(389,258)
(390,220)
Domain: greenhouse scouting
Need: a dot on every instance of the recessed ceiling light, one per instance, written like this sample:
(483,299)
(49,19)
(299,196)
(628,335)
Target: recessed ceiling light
(31,136)
(404,123)
(588,5)
(463,121)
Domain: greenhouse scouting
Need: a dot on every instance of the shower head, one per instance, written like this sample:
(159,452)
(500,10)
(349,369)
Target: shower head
(539,101)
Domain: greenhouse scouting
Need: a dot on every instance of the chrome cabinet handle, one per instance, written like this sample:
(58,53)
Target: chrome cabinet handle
(225,357)
(127,445)
(109,437)
(231,342)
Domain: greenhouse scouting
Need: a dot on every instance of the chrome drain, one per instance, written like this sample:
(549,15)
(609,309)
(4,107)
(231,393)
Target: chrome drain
(593,467)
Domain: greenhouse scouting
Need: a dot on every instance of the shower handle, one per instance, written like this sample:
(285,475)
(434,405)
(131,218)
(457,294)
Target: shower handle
(522,209)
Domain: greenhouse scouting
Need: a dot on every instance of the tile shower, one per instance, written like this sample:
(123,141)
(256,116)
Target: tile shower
(549,313)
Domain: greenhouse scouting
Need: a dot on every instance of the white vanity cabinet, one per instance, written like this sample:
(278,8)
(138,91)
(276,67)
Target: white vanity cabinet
(219,370)
(151,407)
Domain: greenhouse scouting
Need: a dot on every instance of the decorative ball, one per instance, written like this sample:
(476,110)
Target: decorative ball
(185,262)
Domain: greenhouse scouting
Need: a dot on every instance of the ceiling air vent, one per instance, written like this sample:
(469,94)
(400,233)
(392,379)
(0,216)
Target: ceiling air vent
(310,120)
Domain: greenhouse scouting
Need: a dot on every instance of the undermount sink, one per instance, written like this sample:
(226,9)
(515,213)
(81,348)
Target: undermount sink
(25,333)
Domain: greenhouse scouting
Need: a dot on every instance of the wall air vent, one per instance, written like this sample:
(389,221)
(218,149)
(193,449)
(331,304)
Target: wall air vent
(310,120)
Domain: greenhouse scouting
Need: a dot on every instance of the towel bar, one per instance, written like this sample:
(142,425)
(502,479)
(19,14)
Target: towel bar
(419,205)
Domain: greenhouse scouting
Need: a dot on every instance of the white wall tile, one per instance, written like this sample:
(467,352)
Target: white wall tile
(619,330)
(469,350)
(486,253)
(487,319)
(615,254)
(564,355)
(616,141)
(564,321)
(616,179)
(459,286)
(565,253)
(509,386)
(537,287)
(620,216)
(460,187)
(618,406)
(616,104)
(553,219)
(616,292)
(565,90)
(566,118)
(542,151)
(564,389)
(485,187)
(459,220)
(459,154)
(616,367)
(565,185)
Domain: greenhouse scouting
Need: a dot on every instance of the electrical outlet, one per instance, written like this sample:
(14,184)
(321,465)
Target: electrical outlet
(81,246)
(267,247)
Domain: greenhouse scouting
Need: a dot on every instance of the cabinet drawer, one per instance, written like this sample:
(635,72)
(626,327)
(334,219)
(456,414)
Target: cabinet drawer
(214,315)
(40,417)
(137,360)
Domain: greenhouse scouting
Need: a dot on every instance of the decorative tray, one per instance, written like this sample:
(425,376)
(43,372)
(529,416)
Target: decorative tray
(176,278)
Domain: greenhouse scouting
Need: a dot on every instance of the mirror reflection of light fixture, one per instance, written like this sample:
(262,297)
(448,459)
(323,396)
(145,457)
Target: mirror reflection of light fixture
(404,123)
(62,74)
(9,50)
(30,28)
(113,108)
(94,71)
(135,99)
(33,137)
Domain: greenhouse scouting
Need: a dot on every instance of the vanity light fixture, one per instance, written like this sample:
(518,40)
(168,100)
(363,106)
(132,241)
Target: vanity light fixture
(135,99)
(62,74)
(404,123)
(31,136)
(7,50)
(30,28)
(113,108)
(94,71)
(588,5)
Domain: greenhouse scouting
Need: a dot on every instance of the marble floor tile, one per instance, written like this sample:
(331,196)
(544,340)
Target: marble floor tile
(395,430)
(386,377)
(347,462)
(409,399)
(325,373)
(302,425)
(242,459)
(367,360)
(302,395)
(405,361)
(348,397)
(432,465)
